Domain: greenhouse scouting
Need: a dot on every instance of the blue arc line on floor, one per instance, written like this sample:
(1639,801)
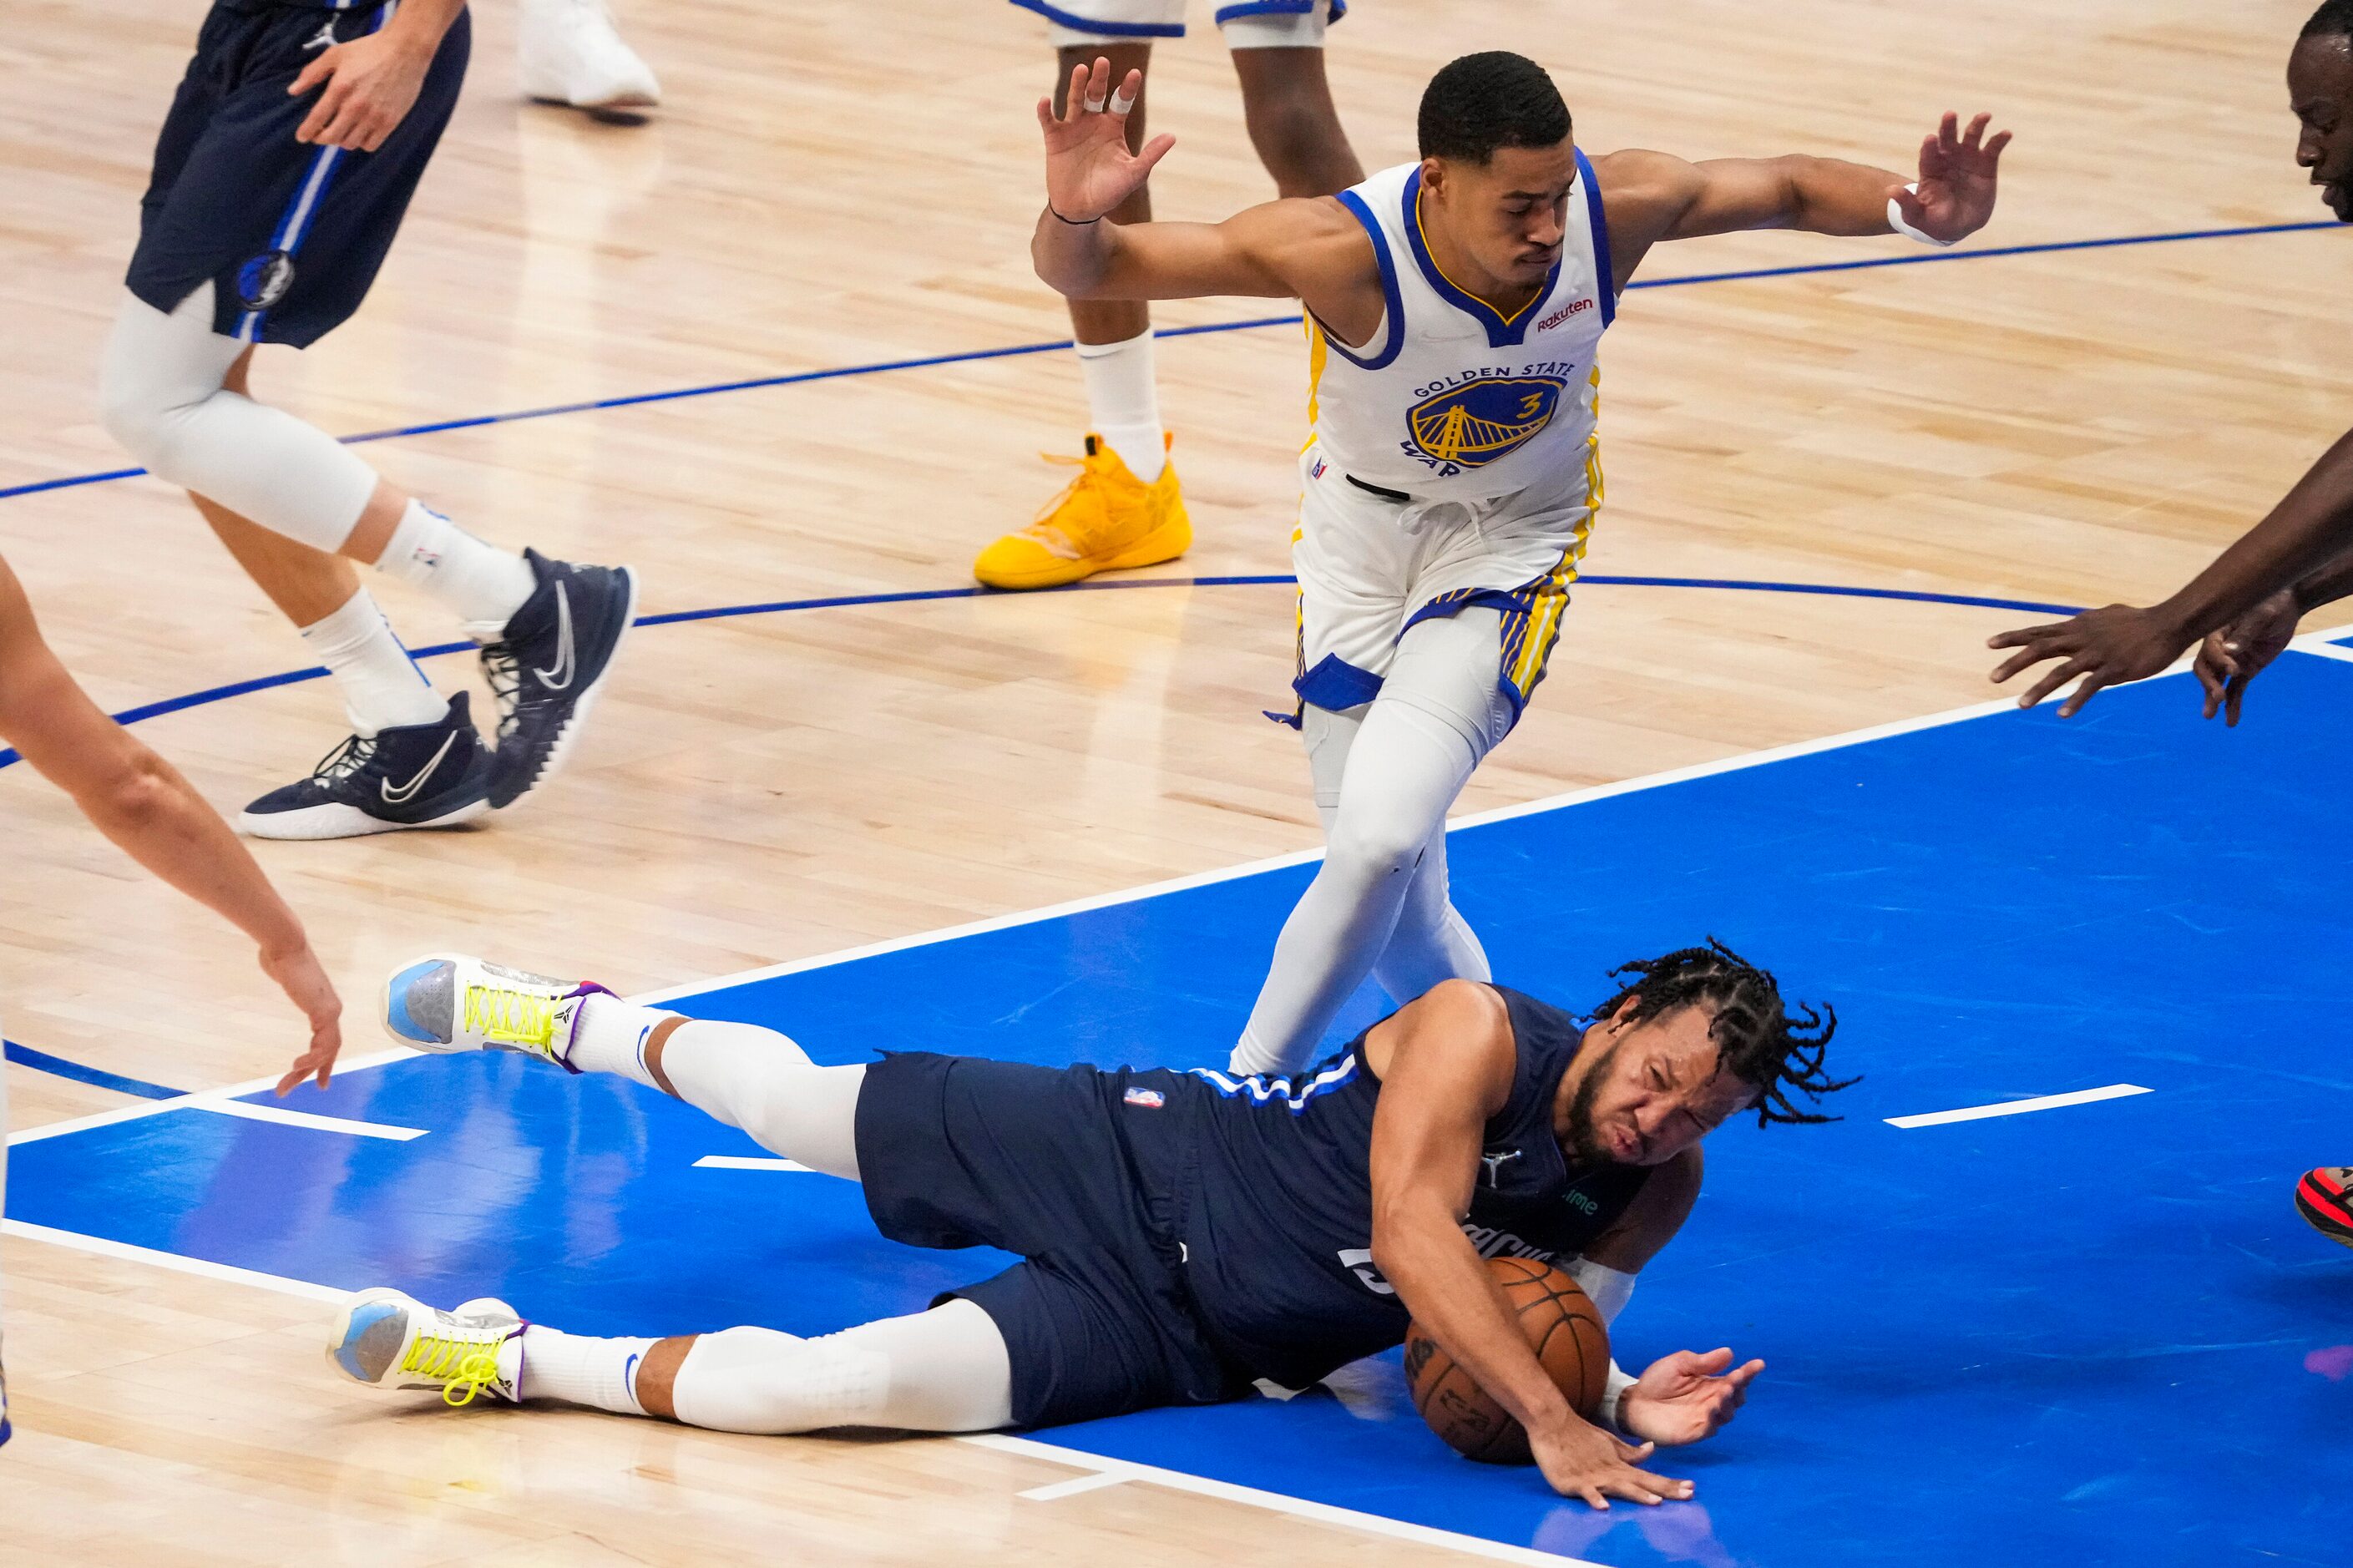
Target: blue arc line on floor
(919,595)
(1017,351)
(98,1078)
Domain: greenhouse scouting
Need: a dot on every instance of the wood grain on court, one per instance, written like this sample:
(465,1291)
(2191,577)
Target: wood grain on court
(828,190)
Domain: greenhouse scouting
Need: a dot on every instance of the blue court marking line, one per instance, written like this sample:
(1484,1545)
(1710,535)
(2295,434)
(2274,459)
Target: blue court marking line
(1017,351)
(99,1077)
(919,596)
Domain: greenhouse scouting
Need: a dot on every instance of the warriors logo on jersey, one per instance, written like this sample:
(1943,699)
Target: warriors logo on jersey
(1475,424)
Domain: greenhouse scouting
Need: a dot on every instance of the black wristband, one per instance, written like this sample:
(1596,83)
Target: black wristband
(1073,222)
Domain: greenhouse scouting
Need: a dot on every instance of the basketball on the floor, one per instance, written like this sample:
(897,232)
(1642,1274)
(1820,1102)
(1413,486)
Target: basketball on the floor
(1562,1327)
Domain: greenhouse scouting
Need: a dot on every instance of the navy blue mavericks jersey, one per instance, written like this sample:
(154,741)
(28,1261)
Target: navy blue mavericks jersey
(1276,1182)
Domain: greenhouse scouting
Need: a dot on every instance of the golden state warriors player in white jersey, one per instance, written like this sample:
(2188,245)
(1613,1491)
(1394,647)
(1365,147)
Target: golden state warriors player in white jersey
(1454,310)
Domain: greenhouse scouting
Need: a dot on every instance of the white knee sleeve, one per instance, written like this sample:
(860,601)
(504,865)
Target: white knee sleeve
(941,1371)
(161,394)
(761,1081)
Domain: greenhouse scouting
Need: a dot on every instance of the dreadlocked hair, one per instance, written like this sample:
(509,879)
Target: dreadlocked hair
(1754,1034)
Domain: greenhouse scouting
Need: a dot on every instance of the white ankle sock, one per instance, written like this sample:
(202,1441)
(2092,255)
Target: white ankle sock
(610,1037)
(380,686)
(1123,403)
(484,584)
(579,1369)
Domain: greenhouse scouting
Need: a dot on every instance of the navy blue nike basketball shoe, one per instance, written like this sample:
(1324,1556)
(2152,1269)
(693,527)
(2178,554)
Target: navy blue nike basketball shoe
(547,663)
(412,775)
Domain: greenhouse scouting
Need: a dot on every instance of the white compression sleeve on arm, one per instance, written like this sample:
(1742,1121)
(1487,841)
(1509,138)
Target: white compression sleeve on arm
(162,395)
(941,1371)
(1608,1290)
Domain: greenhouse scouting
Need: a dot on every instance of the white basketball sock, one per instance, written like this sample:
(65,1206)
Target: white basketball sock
(484,584)
(380,686)
(579,1369)
(609,1036)
(1123,403)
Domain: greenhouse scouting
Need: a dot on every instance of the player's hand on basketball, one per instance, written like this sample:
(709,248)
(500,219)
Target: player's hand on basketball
(1089,168)
(1687,1396)
(1958,172)
(2233,657)
(299,974)
(372,83)
(2107,646)
(1581,1460)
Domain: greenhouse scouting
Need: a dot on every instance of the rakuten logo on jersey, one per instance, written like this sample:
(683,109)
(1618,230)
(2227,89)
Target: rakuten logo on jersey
(1563,314)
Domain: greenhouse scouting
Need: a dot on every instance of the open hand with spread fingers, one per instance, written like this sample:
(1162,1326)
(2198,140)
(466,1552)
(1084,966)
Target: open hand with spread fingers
(2107,646)
(1683,1397)
(1958,174)
(1089,168)
(1581,1460)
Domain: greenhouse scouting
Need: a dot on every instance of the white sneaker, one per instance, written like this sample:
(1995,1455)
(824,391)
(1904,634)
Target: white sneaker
(389,1340)
(568,51)
(449,1001)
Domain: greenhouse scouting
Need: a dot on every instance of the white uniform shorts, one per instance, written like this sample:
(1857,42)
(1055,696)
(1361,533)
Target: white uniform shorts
(1370,566)
(1247,23)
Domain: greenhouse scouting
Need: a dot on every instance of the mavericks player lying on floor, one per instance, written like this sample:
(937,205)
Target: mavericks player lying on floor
(1186,1233)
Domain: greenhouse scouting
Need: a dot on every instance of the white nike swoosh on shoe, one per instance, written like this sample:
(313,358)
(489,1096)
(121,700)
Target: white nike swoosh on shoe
(408,792)
(560,676)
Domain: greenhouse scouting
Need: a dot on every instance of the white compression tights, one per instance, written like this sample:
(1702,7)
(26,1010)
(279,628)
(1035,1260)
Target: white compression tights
(946,1369)
(162,395)
(1385,777)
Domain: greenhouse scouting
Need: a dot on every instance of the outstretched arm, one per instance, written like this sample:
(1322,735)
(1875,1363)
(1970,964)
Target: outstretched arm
(1270,251)
(1652,197)
(1449,1058)
(141,802)
(2305,549)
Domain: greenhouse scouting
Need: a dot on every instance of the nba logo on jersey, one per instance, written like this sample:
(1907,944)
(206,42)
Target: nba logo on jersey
(1474,423)
(1150,1098)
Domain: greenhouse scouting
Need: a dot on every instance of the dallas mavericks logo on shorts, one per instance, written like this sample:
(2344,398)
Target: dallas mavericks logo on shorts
(263,281)
(1475,423)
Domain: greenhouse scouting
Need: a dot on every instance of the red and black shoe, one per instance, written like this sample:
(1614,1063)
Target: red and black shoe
(2325,1198)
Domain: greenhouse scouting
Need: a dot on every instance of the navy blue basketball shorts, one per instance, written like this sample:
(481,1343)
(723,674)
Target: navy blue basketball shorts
(289,235)
(961,1152)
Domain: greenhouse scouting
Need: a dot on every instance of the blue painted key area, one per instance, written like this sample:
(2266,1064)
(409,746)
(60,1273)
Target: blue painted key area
(2098,1334)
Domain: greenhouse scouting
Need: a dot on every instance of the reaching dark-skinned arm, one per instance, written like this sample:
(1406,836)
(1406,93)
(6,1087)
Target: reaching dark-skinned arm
(141,802)
(2300,550)
(1449,1068)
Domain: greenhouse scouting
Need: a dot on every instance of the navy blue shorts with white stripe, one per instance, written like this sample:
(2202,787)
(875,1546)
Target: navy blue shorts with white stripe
(289,235)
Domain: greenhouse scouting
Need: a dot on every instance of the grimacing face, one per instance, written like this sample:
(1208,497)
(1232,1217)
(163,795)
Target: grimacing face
(2320,90)
(1508,215)
(1654,1091)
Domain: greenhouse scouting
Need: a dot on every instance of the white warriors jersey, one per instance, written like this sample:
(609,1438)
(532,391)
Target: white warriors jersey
(1452,400)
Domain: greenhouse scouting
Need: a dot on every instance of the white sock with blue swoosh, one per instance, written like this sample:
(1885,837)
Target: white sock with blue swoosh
(580,1369)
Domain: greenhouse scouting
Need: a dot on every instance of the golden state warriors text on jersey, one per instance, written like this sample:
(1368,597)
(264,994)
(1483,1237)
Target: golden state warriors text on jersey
(1454,400)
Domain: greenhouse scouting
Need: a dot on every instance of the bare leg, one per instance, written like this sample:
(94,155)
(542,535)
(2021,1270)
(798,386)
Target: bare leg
(1287,103)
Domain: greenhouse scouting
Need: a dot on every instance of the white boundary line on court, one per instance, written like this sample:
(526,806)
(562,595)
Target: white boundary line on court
(1279,1503)
(752,1162)
(317,1123)
(2018,1107)
(1179,1481)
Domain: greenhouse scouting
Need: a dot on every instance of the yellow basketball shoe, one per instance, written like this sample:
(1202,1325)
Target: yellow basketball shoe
(1105,519)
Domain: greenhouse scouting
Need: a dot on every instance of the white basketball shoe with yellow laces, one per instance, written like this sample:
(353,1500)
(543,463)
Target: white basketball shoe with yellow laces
(390,1339)
(449,1001)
